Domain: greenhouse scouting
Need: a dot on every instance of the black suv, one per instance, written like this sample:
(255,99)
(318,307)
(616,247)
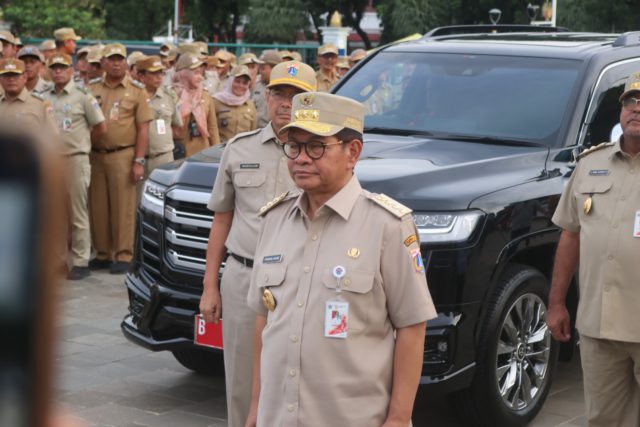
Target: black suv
(477,134)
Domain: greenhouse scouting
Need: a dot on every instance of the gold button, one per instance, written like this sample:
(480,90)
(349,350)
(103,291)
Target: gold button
(307,269)
(347,282)
(291,408)
(300,303)
(292,372)
(294,338)
(314,237)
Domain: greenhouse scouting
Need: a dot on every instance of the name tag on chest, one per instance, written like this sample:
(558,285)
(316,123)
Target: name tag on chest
(599,172)
(249,165)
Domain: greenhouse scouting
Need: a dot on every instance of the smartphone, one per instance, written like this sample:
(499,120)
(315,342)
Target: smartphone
(27,211)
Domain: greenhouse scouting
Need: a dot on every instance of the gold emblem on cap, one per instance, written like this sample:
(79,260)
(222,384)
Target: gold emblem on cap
(268,300)
(353,253)
(310,115)
(587,205)
(307,100)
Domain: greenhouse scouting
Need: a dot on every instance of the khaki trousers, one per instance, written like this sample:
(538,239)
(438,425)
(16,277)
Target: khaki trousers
(112,205)
(238,328)
(78,184)
(611,372)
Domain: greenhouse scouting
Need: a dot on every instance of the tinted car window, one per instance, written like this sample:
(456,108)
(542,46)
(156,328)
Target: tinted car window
(484,96)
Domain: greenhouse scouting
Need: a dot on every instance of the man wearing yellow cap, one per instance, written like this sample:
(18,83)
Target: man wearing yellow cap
(117,162)
(66,40)
(9,48)
(79,119)
(338,286)
(163,101)
(269,59)
(327,74)
(252,171)
(33,64)
(17,105)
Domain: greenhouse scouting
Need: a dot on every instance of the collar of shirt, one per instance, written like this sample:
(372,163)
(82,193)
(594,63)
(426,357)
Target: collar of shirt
(124,82)
(618,152)
(68,87)
(160,93)
(23,95)
(341,203)
(268,134)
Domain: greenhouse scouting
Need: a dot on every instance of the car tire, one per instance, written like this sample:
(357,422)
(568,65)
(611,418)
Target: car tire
(201,361)
(516,356)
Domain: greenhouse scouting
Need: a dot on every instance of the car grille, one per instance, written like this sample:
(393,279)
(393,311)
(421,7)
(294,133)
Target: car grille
(187,223)
(150,244)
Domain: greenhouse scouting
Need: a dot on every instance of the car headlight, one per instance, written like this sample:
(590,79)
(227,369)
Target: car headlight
(153,197)
(446,227)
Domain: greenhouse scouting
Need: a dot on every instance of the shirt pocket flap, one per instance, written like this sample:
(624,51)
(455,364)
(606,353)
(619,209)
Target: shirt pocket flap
(595,187)
(358,281)
(249,179)
(270,276)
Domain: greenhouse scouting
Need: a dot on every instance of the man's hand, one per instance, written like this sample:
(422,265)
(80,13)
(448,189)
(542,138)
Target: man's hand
(137,172)
(252,419)
(211,305)
(558,322)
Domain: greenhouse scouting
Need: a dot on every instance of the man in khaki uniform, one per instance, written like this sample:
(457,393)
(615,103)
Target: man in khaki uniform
(17,105)
(94,64)
(327,75)
(33,64)
(163,101)
(357,56)
(252,171)
(79,119)
(117,162)
(225,63)
(252,63)
(9,48)
(48,48)
(66,40)
(600,217)
(269,59)
(338,286)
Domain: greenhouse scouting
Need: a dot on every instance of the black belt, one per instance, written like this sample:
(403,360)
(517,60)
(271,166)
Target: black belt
(110,150)
(242,260)
(153,156)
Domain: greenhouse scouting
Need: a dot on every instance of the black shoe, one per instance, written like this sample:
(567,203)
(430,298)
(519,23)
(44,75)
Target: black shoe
(99,264)
(119,267)
(78,273)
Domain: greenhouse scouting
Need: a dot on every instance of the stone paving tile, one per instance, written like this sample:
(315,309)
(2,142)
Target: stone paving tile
(153,402)
(182,419)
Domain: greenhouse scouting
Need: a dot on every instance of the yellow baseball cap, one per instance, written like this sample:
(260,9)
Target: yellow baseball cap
(325,114)
(11,66)
(189,61)
(65,33)
(114,49)
(632,85)
(60,59)
(294,73)
(150,63)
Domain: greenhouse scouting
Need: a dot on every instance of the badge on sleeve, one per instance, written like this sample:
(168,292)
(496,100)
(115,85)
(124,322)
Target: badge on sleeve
(418,265)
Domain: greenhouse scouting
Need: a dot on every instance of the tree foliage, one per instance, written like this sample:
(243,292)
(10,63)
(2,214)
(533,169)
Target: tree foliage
(275,21)
(216,19)
(40,18)
(136,19)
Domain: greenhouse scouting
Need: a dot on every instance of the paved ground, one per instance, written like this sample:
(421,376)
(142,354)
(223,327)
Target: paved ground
(107,381)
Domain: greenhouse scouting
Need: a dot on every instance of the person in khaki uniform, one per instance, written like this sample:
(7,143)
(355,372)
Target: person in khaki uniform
(164,102)
(600,217)
(117,162)
(79,119)
(200,126)
(252,171)
(48,49)
(338,286)
(8,44)
(269,59)
(252,63)
(17,105)
(327,74)
(235,110)
(66,39)
(33,62)
(226,61)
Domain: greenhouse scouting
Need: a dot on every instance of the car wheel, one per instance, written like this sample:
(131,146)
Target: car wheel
(201,361)
(516,355)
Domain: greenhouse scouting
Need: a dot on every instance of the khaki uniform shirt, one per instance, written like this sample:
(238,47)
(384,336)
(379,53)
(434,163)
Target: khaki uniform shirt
(324,82)
(608,276)
(124,106)
(253,170)
(260,101)
(167,80)
(164,105)
(211,81)
(233,120)
(42,86)
(75,112)
(306,378)
(28,111)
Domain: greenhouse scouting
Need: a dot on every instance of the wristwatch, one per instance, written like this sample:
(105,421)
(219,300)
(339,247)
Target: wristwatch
(140,160)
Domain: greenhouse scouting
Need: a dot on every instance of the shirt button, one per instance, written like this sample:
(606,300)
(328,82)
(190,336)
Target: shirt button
(294,338)
(610,257)
(314,237)
(307,269)
(300,303)
(607,288)
(291,408)
(615,225)
(292,372)
(623,198)
(347,282)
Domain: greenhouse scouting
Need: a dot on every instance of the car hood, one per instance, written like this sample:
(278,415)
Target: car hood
(423,173)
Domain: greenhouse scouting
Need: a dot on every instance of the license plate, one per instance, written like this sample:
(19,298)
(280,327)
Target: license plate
(207,334)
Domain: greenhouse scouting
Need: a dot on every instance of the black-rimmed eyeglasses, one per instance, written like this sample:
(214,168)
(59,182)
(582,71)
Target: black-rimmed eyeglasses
(315,149)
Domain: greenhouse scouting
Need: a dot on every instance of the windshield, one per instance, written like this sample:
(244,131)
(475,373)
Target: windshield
(484,96)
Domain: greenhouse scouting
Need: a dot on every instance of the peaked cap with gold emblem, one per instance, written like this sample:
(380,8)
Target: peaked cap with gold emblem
(293,73)
(632,85)
(325,114)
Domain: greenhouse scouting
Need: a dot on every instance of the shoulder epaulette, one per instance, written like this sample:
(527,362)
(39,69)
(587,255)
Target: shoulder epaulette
(96,80)
(37,95)
(169,90)
(396,208)
(272,204)
(137,84)
(243,134)
(594,149)
(82,89)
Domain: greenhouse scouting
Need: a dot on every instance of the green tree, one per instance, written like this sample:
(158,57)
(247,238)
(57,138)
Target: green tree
(216,19)
(275,21)
(403,18)
(136,19)
(39,18)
